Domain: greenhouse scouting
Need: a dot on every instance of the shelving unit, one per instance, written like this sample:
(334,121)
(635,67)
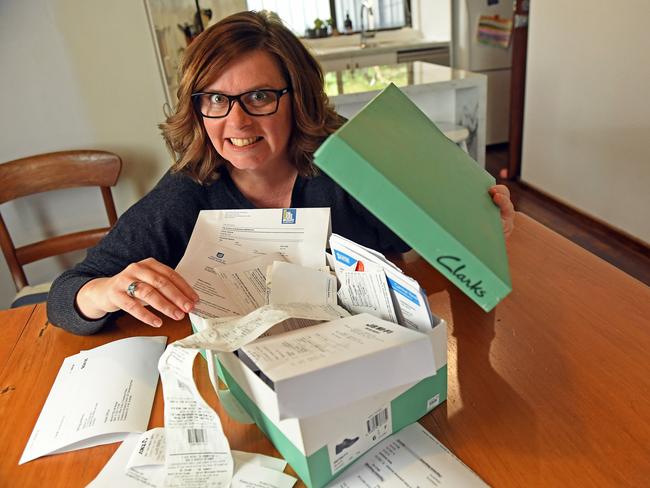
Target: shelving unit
(455,99)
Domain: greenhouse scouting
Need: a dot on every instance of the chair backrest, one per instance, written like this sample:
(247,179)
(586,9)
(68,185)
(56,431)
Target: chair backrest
(55,171)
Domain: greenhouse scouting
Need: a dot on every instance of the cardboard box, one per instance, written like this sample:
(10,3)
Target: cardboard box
(307,368)
(320,447)
(402,168)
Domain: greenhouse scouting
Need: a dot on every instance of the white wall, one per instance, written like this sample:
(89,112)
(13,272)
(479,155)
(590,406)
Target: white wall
(432,18)
(77,75)
(587,115)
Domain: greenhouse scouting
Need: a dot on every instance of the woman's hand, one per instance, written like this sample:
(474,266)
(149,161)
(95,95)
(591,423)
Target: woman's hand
(501,197)
(147,282)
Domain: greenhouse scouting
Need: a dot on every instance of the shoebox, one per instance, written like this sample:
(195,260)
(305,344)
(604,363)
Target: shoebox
(394,160)
(340,418)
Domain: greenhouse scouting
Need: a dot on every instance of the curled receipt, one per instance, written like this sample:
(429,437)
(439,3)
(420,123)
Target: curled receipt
(197,453)
(228,335)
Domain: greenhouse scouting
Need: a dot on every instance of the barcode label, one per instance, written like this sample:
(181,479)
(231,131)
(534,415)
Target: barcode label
(377,420)
(433,402)
(196,436)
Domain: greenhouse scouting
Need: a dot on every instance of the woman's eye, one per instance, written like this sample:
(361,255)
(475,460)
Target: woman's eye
(259,96)
(217,99)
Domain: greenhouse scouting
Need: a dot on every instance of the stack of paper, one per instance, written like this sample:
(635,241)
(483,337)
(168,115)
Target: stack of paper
(370,283)
(229,252)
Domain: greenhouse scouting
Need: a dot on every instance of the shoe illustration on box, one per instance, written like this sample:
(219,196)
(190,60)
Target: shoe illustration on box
(345,444)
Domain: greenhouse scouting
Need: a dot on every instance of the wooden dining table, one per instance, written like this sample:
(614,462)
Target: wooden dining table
(551,388)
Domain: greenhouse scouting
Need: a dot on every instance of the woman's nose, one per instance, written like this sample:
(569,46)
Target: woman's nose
(238,116)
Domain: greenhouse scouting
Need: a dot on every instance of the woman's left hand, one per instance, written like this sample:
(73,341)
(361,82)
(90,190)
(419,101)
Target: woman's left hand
(501,197)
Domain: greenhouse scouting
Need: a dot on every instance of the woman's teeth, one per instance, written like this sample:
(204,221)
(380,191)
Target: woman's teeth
(243,142)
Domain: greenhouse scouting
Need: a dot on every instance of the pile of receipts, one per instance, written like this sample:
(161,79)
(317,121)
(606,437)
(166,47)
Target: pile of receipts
(370,283)
(240,260)
(140,460)
(259,273)
(229,252)
(264,272)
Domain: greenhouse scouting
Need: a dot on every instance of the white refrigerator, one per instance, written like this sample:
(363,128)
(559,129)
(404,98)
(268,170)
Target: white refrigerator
(493,61)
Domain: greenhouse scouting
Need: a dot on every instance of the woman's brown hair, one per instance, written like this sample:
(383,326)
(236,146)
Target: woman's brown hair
(207,56)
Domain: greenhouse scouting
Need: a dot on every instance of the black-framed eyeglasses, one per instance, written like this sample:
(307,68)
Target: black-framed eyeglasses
(255,102)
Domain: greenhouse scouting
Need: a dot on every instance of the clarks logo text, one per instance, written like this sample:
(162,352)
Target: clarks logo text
(455,267)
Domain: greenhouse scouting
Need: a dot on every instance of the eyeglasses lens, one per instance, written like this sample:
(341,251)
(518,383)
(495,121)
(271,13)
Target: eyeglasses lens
(259,102)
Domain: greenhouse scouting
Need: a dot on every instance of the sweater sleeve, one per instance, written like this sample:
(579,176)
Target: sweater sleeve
(158,226)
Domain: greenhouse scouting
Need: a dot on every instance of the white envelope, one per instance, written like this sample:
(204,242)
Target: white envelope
(98,397)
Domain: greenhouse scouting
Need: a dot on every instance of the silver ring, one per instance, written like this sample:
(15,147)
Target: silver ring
(130,290)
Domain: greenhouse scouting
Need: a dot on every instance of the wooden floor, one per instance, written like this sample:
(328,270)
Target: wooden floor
(627,256)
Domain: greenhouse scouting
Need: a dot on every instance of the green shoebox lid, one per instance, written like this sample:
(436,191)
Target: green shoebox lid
(394,160)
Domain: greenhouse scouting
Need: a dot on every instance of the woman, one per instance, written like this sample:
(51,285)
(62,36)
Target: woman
(251,111)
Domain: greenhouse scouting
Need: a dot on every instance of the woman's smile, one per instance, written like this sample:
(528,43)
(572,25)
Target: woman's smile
(246,142)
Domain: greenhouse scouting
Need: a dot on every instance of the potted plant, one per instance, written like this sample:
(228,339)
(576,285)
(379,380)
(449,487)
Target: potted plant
(320,27)
(332,27)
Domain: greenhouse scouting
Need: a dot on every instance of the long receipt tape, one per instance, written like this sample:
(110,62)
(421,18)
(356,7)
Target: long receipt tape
(432,194)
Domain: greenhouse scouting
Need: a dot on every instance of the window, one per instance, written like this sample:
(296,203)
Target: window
(299,15)
(387,14)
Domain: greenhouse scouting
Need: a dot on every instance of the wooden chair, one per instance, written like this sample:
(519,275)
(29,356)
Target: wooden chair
(55,171)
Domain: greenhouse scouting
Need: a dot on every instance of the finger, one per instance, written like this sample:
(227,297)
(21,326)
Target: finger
(146,273)
(504,204)
(508,209)
(138,310)
(500,195)
(508,227)
(508,223)
(499,200)
(507,212)
(500,189)
(151,295)
(178,281)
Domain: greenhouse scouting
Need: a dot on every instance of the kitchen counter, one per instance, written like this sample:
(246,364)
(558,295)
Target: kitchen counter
(454,99)
(327,53)
(385,47)
(415,74)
